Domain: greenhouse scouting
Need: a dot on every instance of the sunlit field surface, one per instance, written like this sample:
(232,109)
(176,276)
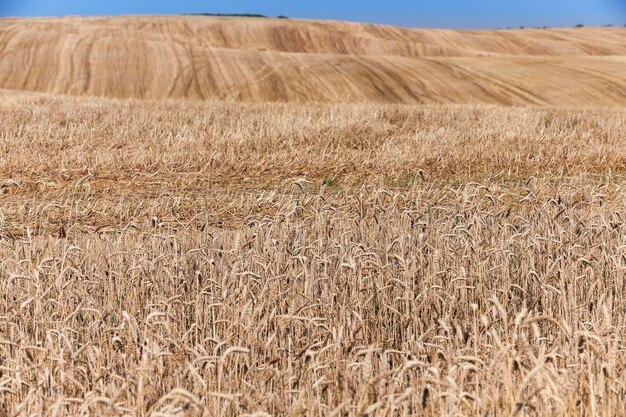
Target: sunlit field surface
(296,61)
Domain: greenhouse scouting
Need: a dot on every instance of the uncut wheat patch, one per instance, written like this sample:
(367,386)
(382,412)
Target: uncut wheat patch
(179,258)
(121,146)
(481,298)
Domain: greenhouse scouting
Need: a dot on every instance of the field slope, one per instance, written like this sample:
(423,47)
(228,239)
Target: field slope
(238,59)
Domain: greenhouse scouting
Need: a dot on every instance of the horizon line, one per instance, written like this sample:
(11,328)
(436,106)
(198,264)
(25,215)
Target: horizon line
(580,25)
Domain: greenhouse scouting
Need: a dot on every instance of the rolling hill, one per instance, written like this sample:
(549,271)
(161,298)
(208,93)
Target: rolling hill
(239,59)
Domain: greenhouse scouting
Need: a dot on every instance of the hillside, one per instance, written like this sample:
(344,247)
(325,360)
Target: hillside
(240,59)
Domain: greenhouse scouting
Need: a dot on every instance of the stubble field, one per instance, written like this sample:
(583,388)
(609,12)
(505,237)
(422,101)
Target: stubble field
(220,259)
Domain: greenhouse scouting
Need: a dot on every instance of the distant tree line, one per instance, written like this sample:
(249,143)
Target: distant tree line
(580,25)
(234,15)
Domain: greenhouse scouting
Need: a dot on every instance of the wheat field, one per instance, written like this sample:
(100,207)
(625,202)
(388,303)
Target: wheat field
(263,217)
(182,258)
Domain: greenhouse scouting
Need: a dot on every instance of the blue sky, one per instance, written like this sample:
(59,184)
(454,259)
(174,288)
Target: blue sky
(412,13)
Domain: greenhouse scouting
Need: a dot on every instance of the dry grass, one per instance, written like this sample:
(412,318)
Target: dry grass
(180,259)
(206,58)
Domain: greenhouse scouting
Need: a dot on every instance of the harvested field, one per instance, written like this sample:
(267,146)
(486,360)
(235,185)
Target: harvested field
(235,59)
(184,258)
